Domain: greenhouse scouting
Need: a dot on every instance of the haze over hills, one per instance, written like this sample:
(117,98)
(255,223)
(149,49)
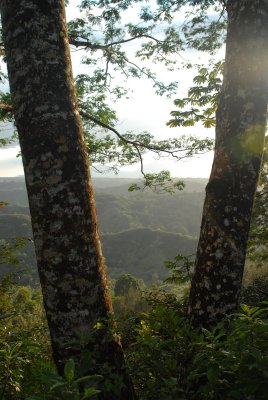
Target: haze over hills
(139,230)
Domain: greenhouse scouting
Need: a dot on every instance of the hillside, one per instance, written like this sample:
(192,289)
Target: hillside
(139,230)
(120,210)
(142,252)
(178,213)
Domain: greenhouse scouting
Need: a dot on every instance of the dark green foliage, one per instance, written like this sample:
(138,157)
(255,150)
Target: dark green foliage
(10,250)
(24,340)
(16,248)
(67,387)
(16,251)
(125,283)
(155,363)
(26,367)
(171,360)
(181,267)
(132,302)
(256,292)
(168,359)
(128,296)
(232,362)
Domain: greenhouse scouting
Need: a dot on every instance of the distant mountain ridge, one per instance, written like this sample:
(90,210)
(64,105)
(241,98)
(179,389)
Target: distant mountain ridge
(138,230)
(113,185)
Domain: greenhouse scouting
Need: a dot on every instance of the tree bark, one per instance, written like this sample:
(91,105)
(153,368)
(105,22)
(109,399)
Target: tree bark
(240,130)
(70,262)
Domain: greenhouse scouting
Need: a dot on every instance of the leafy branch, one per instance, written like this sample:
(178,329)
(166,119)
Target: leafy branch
(129,149)
(202,99)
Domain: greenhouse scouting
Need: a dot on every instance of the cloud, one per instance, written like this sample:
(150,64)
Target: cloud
(10,165)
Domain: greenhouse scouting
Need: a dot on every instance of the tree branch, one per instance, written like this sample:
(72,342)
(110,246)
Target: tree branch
(6,107)
(136,144)
(94,46)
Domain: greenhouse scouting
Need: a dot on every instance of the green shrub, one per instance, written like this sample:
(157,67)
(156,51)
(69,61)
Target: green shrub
(167,358)
(255,292)
(125,283)
(24,340)
(231,362)
(171,360)
(68,387)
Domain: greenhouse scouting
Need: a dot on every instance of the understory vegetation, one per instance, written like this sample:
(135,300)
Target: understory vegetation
(166,357)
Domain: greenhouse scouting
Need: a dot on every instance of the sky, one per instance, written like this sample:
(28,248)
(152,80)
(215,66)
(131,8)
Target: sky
(143,111)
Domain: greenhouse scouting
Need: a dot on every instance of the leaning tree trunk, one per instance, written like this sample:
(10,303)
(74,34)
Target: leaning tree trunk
(240,129)
(69,258)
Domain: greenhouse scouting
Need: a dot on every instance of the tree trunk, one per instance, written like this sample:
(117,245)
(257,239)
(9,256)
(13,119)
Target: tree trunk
(240,130)
(65,229)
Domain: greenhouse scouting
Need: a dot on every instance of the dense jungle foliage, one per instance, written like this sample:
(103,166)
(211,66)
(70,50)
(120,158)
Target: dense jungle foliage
(167,359)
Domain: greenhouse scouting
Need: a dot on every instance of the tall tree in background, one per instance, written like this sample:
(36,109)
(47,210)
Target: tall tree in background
(240,130)
(70,262)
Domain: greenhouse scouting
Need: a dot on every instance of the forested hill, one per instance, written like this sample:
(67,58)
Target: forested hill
(141,252)
(139,230)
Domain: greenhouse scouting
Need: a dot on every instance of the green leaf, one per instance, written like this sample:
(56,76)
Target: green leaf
(90,392)
(189,122)
(209,123)
(212,374)
(203,71)
(69,369)
(256,354)
(180,102)
(57,385)
(89,378)
(133,187)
